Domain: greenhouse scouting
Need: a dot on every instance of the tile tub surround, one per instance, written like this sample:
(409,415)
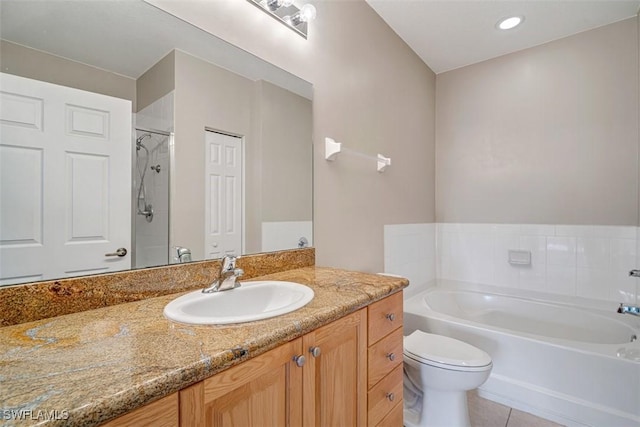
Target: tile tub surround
(41,300)
(102,363)
(410,251)
(588,261)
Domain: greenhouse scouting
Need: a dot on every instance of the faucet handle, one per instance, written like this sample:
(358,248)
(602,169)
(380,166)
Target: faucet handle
(229,262)
(238,272)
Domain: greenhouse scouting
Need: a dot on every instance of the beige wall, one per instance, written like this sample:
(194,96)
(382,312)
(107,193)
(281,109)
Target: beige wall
(544,135)
(157,81)
(197,84)
(279,170)
(34,64)
(275,124)
(285,133)
(371,92)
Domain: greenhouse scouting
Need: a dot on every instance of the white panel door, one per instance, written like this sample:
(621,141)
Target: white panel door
(223,195)
(65,181)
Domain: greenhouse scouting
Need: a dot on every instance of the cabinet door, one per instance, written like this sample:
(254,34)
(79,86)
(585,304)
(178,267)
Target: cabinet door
(264,391)
(335,380)
(161,413)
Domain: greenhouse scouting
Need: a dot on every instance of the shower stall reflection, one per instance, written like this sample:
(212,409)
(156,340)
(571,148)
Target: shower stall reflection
(151,198)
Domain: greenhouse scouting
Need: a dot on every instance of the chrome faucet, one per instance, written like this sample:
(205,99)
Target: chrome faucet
(227,276)
(629,309)
(184,254)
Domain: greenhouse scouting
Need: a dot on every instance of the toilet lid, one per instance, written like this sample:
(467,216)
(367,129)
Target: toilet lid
(438,349)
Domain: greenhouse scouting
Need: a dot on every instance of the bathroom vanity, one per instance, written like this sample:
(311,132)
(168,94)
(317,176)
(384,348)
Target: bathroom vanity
(318,379)
(285,386)
(336,360)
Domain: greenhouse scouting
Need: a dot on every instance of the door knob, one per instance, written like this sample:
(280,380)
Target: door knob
(119,252)
(391,317)
(391,356)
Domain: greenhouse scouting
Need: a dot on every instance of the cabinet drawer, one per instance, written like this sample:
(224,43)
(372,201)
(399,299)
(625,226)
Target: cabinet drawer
(393,418)
(383,356)
(384,317)
(384,396)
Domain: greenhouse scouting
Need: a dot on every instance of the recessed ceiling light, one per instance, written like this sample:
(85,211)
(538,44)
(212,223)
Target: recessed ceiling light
(509,23)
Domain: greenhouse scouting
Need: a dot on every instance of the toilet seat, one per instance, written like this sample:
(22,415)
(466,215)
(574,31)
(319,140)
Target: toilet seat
(444,352)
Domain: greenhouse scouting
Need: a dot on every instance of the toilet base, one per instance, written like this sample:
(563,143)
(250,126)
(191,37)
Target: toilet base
(440,409)
(410,418)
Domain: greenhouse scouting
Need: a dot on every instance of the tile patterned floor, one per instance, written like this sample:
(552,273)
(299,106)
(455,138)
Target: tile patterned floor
(485,413)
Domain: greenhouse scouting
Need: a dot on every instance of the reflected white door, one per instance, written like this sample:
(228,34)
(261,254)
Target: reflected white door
(65,181)
(223,195)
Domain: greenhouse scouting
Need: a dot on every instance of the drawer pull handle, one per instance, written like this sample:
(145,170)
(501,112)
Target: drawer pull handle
(391,397)
(300,360)
(391,317)
(315,351)
(391,356)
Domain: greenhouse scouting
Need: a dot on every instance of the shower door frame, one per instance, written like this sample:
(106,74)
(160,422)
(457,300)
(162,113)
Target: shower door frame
(134,200)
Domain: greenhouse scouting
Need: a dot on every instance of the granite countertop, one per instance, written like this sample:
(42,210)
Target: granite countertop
(93,366)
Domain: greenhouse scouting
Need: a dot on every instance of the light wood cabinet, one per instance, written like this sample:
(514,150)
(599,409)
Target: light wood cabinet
(384,355)
(265,390)
(384,400)
(379,404)
(328,389)
(335,381)
(161,413)
(385,316)
(394,418)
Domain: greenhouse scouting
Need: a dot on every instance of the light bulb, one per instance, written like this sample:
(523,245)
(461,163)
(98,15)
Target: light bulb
(509,23)
(274,5)
(307,13)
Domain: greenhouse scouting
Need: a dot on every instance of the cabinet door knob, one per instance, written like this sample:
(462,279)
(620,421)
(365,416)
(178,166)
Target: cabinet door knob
(391,317)
(315,351)
(300,360)
(391,397)
(391,356)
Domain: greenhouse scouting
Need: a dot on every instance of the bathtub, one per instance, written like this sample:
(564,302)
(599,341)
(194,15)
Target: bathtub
(574,361)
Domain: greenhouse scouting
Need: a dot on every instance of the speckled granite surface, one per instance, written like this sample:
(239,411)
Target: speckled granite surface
(101,363)
(29,302)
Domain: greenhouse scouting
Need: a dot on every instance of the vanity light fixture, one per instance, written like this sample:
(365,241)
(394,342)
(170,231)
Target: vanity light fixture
(277,4)
(509,22)
(287,13)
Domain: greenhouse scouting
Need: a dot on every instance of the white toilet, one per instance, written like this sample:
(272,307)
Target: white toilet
(438,371)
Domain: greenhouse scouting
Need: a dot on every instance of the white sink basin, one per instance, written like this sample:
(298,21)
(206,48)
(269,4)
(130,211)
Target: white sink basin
(251,301)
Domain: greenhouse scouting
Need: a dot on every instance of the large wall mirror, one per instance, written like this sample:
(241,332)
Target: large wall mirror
(131,139)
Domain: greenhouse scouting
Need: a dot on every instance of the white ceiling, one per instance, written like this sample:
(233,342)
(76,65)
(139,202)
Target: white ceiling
(126,37)
(449,34)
